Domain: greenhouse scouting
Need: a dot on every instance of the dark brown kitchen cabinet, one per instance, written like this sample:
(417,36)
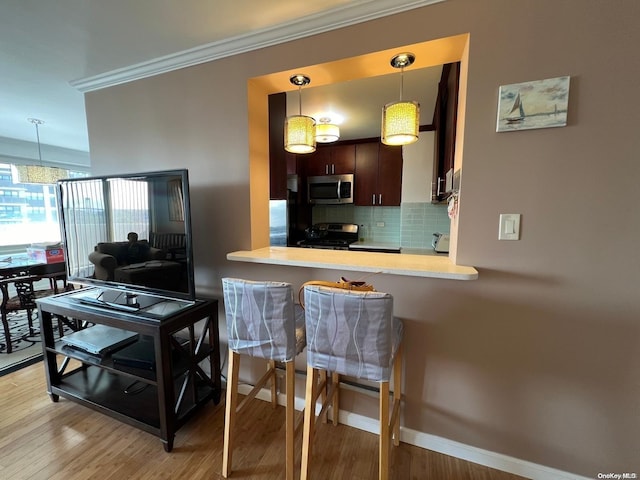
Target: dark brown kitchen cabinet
(330,160)
(292,163)
(378,175)
(389,175)
(444,120)
(279,159)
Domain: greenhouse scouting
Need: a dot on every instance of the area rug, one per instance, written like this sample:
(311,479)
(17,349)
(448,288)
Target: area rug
(27,349)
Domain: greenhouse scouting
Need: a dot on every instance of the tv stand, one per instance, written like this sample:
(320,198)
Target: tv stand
(186,356)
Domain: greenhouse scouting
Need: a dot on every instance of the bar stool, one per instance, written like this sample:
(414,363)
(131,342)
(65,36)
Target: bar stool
(355,334)
(263,322)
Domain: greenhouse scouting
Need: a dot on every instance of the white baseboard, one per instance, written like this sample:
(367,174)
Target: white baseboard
(442,445)
(487,458)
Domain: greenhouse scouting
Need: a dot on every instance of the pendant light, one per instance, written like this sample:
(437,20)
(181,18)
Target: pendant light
(300,130)
(38,174)
(400,120)
(327,132)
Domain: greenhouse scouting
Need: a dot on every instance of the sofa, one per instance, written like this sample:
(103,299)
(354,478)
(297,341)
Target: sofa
(145,265)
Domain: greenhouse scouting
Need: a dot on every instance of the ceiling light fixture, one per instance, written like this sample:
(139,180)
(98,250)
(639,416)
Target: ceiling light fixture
(300,130)
(37,173)
(400,120)
(327,132)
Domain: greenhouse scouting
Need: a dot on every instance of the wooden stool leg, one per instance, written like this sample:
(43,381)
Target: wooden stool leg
(383,454)
(323,392)
(309,421)
(271,366)
(335,405)
(230,411)
(290,418)
(397,393)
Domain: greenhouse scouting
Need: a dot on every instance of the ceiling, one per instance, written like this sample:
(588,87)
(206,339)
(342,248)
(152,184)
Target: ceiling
(46,47)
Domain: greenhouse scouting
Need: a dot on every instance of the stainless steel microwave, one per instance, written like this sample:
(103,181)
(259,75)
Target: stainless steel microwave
(330,189)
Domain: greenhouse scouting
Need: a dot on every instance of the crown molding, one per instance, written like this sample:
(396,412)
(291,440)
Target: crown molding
(344,16)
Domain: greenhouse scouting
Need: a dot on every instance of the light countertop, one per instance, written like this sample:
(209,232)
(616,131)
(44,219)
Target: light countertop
(433,266)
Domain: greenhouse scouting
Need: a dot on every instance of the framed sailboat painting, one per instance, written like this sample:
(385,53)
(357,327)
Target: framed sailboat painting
(537,104)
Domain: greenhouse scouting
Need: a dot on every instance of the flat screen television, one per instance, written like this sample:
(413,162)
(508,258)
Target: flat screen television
(130,234)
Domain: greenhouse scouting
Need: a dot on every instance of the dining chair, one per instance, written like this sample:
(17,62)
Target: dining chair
(24,284)
(351,333)
(54,272)
(262,322)
(24,299)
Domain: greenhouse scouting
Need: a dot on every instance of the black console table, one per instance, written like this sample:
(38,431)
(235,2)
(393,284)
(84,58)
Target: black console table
(158,400)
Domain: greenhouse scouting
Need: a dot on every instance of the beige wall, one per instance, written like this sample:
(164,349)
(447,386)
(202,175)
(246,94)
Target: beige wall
(538,359)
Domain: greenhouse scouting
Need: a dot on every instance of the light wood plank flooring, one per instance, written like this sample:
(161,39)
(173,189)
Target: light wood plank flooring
(42,440)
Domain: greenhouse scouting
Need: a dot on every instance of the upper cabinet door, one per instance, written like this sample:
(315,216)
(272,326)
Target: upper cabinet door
(378,176)
(316,163)
(366,174)
(331,160)
(389,175)
(343,159)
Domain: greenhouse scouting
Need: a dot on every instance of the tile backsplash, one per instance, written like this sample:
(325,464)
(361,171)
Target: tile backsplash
(420,221)
(411,225)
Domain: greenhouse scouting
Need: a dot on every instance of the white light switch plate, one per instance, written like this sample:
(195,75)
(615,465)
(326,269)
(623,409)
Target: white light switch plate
(509,226)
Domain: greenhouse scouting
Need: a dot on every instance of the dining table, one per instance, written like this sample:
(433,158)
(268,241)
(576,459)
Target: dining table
(21,265)
(18,264)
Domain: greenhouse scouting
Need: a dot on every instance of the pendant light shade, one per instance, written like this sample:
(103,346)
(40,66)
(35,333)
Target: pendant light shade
(300,130)
(400,123)
(401,120)
(299,134)
(37,173)
(327,132)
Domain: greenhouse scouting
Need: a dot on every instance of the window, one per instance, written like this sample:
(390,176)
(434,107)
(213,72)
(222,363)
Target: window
(28,212)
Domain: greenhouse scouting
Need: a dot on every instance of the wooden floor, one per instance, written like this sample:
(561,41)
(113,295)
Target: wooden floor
(42,440)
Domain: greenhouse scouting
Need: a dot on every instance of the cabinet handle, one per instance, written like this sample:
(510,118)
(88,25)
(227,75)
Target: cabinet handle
(333,169)
(326,169)
(440,180)
(379,199)
(373,199)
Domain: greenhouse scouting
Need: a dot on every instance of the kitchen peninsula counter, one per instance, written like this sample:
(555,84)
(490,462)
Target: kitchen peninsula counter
(431,266)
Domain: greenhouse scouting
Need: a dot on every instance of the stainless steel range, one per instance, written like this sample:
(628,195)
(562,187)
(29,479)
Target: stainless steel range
(334,236)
